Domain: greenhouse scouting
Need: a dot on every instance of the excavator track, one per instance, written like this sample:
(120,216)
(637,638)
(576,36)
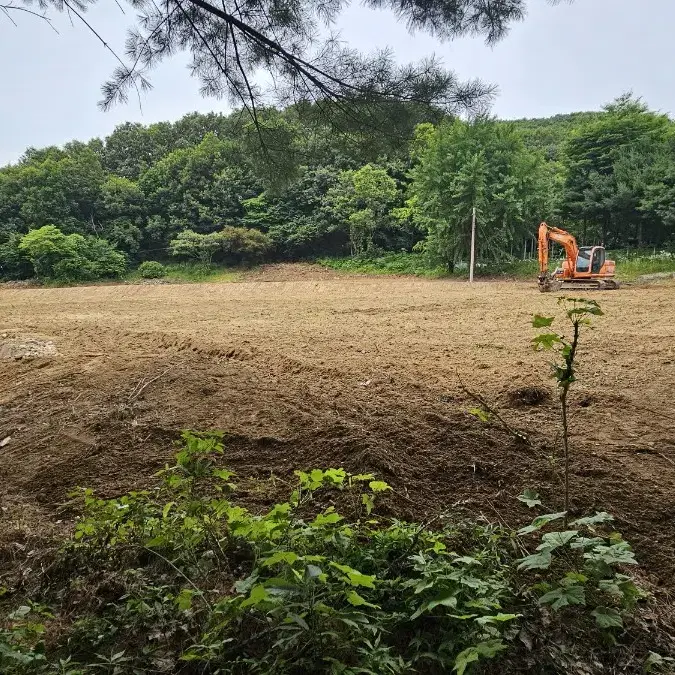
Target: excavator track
(554,285)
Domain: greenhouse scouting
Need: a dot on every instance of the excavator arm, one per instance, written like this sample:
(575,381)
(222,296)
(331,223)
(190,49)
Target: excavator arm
(565,239)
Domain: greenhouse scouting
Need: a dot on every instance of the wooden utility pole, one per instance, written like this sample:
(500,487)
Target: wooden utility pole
(473,244)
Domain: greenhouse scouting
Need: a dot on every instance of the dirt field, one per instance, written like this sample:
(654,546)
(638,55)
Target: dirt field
(321,371)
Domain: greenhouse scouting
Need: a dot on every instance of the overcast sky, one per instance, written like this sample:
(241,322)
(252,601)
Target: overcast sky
(560,59)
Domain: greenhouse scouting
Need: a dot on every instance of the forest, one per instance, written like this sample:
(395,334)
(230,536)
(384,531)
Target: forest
(298,184)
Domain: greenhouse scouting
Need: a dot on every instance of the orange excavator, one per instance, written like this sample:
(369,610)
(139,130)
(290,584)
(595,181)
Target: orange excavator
(585,268)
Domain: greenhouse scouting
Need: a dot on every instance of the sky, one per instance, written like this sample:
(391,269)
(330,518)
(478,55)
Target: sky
(562,58)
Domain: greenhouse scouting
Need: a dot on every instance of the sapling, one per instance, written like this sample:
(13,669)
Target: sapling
(578,312)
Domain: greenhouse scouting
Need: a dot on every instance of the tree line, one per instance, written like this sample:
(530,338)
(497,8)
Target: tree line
(287,186)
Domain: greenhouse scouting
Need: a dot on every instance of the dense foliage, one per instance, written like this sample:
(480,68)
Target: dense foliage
(184,578)
(205,189)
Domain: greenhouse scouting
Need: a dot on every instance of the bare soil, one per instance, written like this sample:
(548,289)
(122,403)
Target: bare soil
(325,370)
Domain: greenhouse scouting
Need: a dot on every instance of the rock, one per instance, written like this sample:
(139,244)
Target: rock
(25,348)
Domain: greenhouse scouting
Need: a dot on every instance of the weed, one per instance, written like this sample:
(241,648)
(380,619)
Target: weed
(193,273)
(184,578)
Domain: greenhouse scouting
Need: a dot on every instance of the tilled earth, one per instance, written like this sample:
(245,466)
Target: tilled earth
(317,370)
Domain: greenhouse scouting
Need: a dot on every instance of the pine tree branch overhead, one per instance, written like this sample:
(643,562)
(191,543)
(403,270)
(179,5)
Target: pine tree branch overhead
(231,42)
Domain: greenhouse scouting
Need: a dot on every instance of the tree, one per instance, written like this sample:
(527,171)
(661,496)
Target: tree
(133,148)
(121,211)
(72,257)
(231,41)
(192,245)
(482,165)
(241,245)
(603,200)
(363,199)
(198,188)
(45,247)
(235,244)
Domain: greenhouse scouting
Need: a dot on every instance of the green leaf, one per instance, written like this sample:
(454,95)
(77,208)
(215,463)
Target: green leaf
(316,476)
(563,596)
(540,521)
(540,321)
(617,554)
(184,599)
(464,659)
(379,486)
(257,596)
(537,561)
(573,578)
(314,572)
(553,540)
(656,660)
(465,560)
(336,476)
(354,577)
(296,618)
(496,618)
(546,341)
(353,598)
(368,502)
(362,477)
(447,598)
(167,508)
(481,414)
(486,650)
(224,474)
(287,557)
(327,518)
(597,519)
(530,497)
(20,613)
(606,617)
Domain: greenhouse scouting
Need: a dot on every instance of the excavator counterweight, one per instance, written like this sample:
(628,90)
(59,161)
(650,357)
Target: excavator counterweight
(585,268)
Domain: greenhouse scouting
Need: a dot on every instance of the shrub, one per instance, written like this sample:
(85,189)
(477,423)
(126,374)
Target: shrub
(235,245)
(151,269)
(193,245)
(45,247)
(72,257)
(187,578)
(244,245)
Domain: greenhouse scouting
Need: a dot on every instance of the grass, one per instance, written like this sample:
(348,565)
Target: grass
(416,264)
(390,263)
(635,264)
(629,266)
(193,273)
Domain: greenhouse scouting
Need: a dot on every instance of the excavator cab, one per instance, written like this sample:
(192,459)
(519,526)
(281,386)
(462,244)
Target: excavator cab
(590,259)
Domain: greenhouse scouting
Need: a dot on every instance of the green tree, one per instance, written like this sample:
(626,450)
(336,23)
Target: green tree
(197,188)
(482,165)
(195,246)
(72,257)
(229,44)
(364,198)
(605,162)
(121,211)
(243,246)
(45,247)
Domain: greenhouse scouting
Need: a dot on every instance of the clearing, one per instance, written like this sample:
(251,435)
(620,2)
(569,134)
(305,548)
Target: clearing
(322,370)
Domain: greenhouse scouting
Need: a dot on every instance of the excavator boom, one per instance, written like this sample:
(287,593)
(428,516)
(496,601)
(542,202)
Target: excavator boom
(584,268)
